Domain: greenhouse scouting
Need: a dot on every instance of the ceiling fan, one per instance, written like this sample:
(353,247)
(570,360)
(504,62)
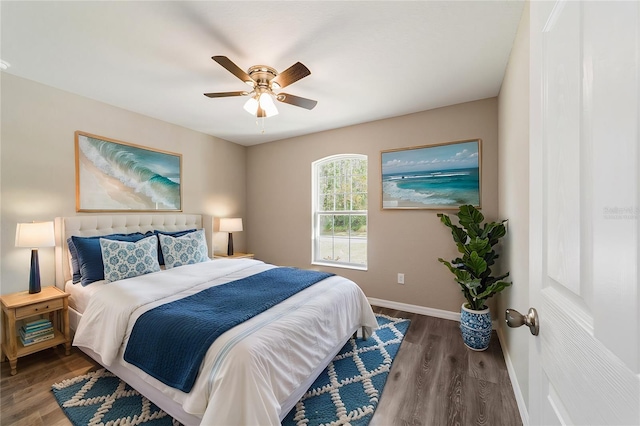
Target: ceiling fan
(264,80)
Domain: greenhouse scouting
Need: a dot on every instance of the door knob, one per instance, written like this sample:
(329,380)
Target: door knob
(515,319)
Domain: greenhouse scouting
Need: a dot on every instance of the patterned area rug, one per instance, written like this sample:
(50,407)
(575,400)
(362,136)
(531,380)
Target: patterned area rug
(347,391)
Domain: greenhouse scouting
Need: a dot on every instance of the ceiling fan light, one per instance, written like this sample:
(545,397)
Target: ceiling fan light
(251,106)
(266,103)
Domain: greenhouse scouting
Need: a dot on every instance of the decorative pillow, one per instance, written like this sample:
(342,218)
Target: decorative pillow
(185,250)
(75,268)
(129,259)
(89,255)
(173,234)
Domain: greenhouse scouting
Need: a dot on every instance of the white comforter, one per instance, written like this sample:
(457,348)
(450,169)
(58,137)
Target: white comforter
(249,371)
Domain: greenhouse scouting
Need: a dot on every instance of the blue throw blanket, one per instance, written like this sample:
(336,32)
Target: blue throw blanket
(169,342)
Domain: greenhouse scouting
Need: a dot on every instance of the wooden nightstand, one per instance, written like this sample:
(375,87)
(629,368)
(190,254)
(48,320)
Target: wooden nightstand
(18,306)
(236,255)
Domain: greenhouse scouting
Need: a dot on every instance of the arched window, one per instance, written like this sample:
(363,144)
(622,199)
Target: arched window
(340,211)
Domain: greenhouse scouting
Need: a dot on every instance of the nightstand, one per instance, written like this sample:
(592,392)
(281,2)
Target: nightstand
(236,255)
(52,302)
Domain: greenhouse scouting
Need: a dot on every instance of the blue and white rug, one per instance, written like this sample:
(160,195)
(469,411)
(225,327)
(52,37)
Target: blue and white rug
(347,391)
(102,399)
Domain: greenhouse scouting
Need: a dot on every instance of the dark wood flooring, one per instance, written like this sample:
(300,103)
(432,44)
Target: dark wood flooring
(434,380)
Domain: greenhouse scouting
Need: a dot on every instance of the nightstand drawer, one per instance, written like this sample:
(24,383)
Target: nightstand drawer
(39,308)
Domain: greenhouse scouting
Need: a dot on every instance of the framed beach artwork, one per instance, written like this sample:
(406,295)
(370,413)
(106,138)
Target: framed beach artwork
(113,176)
(443,176)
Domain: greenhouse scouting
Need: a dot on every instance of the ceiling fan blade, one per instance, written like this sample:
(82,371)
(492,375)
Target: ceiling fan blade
(296,100)
(292,74)
(225,94)
(234,69)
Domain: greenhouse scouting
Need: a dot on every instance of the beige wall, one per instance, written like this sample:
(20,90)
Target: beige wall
(279,201)
(38,174)
(513,160)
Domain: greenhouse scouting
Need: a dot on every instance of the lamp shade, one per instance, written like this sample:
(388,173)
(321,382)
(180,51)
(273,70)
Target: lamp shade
(266,103)
(251,106)
(231,224)
(35,234)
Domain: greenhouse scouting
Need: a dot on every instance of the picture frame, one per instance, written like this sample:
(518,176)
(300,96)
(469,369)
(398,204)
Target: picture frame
(117,176)
(441,176)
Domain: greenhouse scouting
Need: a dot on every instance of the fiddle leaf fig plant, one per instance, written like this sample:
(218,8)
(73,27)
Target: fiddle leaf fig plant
(475,242)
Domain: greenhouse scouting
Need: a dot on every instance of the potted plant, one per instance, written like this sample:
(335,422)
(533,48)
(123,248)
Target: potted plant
(475,242)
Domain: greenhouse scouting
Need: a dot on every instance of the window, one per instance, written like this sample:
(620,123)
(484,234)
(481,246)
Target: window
(340,211)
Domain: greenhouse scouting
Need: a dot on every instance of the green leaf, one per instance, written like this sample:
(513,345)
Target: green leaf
(445,219)
(469,215)
(447,264)
(473,285)
(476,264)
(491,280)
(490,258)
(480,246)
(459,236)
(488,228)
(474,230)
(457,261)
(494,231)
(493,289)
(462,275)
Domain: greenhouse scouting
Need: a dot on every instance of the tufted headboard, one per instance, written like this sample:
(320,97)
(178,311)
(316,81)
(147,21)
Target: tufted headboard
(88,226)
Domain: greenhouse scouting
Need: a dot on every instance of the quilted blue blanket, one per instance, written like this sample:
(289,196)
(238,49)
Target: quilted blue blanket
(169,342)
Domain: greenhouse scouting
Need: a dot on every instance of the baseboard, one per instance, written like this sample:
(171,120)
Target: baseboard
(422,310)
(415,309)
(522,406)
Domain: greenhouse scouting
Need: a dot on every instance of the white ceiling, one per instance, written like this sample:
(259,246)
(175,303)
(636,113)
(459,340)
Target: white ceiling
(368,60)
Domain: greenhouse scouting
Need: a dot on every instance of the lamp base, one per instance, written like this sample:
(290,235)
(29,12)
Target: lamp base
(34,275)
(230,245)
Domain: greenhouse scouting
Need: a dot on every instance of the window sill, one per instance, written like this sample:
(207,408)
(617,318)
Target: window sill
(341,265)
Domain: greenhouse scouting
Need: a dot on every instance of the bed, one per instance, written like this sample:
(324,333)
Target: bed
(253,373)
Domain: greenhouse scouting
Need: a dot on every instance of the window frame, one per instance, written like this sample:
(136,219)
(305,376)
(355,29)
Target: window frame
(316,214)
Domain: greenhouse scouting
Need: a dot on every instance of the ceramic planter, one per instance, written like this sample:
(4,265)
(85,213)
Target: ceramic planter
(476,328)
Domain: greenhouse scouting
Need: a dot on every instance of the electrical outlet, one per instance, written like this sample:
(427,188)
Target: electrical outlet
(400,278)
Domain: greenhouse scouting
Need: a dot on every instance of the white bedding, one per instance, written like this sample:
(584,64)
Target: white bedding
(251,370)
(80,295)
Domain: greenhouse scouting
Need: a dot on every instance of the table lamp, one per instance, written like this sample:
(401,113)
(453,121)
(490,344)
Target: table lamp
(230,225)
(35,235)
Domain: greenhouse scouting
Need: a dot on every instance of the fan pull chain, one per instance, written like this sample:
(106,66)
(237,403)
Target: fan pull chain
(260,124)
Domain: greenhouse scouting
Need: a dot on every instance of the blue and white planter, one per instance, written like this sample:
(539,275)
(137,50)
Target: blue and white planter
(476,328)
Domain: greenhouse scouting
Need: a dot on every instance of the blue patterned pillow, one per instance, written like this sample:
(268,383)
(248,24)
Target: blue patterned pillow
(125,260)
(89,255)
(185,250)
(173,234)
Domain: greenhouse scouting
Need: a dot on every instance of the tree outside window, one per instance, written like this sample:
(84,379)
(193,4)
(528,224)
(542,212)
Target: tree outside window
(340,211)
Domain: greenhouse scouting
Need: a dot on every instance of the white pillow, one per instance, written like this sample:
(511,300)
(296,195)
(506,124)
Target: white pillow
(124,259)
(184,250)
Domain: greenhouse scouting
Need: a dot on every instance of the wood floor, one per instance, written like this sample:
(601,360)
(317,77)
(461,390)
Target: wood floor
(434,380)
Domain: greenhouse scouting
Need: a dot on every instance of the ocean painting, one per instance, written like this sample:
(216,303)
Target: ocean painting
(118,176)
(432,177)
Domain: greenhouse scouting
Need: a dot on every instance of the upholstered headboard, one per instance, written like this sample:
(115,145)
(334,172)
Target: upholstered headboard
(88,226)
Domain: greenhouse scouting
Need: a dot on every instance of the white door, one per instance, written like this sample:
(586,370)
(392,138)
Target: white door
(584,188)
